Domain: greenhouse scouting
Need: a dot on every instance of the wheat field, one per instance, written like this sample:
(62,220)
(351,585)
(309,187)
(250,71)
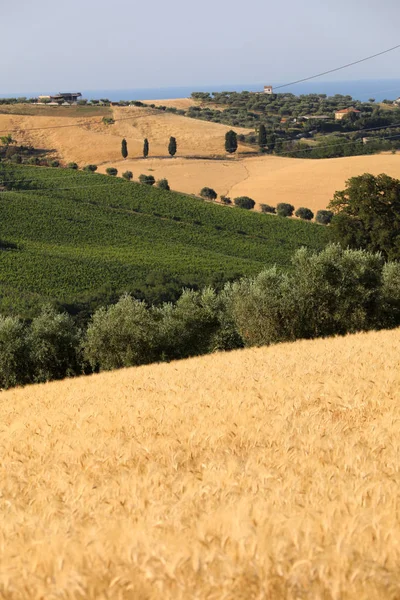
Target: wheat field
(267,473)
(266,179)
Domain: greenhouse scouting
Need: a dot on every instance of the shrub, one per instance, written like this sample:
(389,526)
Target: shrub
(121,335)
(112,171)
(304,213)
(14,353)
(324,217)
(72,165)
(334,292)
(55,163)
(128,175)
(54,343)
(147,179)
(208,193)
(108,121)
(163,184)
(267,208)
(90,168)
(225,200)
(285,210)
(244,202)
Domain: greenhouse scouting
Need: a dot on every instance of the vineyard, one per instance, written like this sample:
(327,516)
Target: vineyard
(67,234)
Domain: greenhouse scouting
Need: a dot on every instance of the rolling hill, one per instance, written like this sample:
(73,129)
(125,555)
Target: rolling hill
(264,473)
(66,235)
(78,134)
(266,179)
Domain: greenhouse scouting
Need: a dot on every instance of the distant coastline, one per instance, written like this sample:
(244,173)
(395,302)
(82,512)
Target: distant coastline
(359,90)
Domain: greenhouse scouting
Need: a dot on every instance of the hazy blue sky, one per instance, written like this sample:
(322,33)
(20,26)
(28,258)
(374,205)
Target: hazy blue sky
(53,45)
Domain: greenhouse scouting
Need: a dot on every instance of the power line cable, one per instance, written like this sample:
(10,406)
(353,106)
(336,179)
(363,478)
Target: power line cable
(356,62)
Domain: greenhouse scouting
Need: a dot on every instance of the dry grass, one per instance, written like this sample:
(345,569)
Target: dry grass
(89,141)
(182,103)
(262,474)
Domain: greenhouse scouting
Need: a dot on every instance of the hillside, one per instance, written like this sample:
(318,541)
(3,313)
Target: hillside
(266,179)
(81,136)
(78,134)
(75,234)
(267,473)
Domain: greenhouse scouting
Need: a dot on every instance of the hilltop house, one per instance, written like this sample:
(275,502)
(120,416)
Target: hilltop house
(341,114)
(62,98)
(268,89)
(397,102)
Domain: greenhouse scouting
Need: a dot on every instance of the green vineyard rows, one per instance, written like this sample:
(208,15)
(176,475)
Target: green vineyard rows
(77,233)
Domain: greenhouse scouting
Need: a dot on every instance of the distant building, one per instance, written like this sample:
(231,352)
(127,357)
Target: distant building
(62,98)
(268,89)
(67,97)
(341,114)
(397,102)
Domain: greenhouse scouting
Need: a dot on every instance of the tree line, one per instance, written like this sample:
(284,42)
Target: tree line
(331,293)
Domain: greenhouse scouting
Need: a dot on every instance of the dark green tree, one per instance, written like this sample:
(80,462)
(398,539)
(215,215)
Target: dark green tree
(112,171)
(244,202)
(163,184)
(231,143)
(367,214)
(208,193)
(262,136)
(147,179)
(324,217)
(124,149)
(304,213)
(128,175)
(172,146)
(285,210)
(145,148)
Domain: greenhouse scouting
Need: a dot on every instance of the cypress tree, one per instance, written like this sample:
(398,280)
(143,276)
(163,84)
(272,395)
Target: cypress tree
(262,136)
(172,146)
(231,142)
(124,148)
(145,148)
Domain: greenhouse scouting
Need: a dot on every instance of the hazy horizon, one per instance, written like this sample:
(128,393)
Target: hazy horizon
(98,45)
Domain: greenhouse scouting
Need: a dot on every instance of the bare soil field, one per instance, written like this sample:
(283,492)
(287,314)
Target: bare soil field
(266,473)
(266,179)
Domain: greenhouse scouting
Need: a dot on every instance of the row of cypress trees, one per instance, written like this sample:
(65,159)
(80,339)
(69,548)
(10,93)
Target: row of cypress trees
(172,147)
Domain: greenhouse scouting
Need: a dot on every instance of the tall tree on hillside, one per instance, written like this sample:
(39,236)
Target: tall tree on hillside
(172,146)
(124,148)
(231,143)
(262,136)
(367,215)
(145,148)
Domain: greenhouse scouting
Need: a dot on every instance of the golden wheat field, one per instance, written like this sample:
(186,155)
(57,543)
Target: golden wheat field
(267,473)
(266,179)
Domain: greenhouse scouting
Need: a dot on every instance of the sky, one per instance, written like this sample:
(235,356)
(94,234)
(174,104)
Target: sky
(50,46)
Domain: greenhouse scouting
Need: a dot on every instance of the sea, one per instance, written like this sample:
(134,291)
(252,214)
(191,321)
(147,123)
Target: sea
(379,89)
